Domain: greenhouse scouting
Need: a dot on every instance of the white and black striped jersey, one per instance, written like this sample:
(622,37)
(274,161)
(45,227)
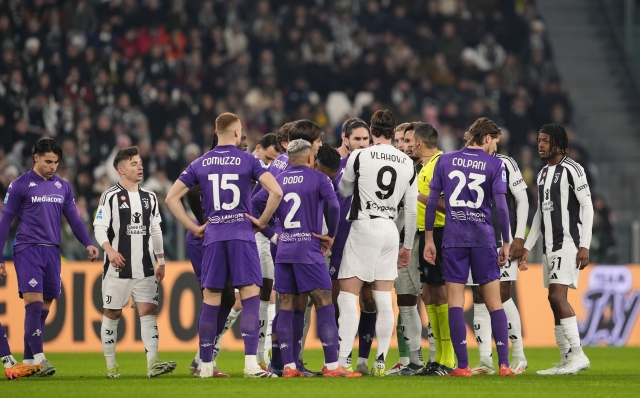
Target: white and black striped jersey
(130,219)
(515,183)
(560,190)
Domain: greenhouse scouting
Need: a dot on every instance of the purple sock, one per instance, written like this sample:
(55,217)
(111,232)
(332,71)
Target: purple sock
(499,327)
(33,327)
(328,332)
(366,331)
(458,330)
(298,331)
(4,343)
(250,324)
(43,319)
(207,329)
(276,355)
(285,336)
(223,314)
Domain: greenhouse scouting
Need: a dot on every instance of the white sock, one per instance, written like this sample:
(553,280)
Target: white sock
(9,361)
(150,337)
(412,332)
(331,366)
(432,343)
(292,365)
(251,362)
(348,321)
(364,361)
(264,323)
(305,331)
(197,358)
(231,319)
(384,324)
(482,329)
(38,358)
(515,329)
(563,344)
(271,313)
(570,330)
(109,336)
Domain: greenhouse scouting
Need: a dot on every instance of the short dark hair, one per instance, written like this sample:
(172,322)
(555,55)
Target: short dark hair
(214,142)
(305,130)
(427,134)
(46,145)
(383,124)
(558,135)
(351,124)
(481,127)
(283,134)
(125,154)
(328,157)
(268,140)
(411,126)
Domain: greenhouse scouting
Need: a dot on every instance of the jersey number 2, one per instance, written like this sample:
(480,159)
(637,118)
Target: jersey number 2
(226,185)
(474,184)
(288,223)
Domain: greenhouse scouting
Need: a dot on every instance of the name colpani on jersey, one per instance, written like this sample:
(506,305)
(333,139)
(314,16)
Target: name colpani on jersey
(468,163)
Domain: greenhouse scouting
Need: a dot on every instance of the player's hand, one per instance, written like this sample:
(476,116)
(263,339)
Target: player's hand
(199,232)
(522,263)
(159,273)
(116,259)
(503,254)
(517,248)
(404,256)
(430,252)
(326,242)
(257,227)
(93,252)
(582,259)
(3,271)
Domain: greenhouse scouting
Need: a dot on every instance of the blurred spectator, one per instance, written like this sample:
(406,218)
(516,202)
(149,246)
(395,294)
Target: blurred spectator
(603,245)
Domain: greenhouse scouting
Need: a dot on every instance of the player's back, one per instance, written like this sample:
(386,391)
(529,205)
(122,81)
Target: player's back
(300,212)
(382,176)
(469,179)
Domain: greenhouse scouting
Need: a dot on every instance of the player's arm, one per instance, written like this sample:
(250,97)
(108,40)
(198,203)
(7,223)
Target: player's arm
(347,182)
(583,194)
(173,201)
(101,226)
(10,208)
(435,187)
(410,221)
(331,209)
(502,211)
(534,234)
(258,204)
(269,183)
(518,189)
(156,238)
(195,203)
(77,226)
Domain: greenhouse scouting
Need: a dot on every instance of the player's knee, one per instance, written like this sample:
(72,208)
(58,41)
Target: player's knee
(505,291)
(556,299)
(477,296)
(369,304)
(112,314)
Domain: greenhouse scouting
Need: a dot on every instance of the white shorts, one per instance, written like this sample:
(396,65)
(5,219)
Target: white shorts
(408,281)
(117,291)
(508,273)
(371,251)
(560,267)
(264,251)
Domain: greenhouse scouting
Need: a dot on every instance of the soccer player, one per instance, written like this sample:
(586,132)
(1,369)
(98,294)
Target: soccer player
(377,177)
(518,205)
(224,175)
(127,227)
(39,198)
(300,266)
(268,149)
(564,219)
(12,369)
(470,178)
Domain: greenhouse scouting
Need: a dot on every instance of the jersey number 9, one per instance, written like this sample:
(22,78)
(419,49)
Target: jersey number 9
(386,189)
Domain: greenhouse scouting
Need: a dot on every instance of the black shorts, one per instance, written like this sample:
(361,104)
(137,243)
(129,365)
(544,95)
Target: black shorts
(429,273)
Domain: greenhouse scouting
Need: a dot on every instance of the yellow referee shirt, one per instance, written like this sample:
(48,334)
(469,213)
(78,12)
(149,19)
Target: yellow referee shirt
(424,180)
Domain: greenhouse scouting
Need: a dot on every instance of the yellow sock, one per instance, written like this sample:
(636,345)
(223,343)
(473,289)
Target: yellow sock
(435,327)
(448,358)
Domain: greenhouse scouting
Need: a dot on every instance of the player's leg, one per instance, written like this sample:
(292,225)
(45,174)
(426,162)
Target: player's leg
(230,308)
(194,252)
(285,333)
(300,307)
(12,369)
(366,328)
(267,267)
(334,268)
(348,320)
(305,333)
(432,324)
(482,330)
(518,359)
(115,296)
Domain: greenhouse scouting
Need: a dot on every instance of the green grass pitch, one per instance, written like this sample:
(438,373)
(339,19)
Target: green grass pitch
(615,372)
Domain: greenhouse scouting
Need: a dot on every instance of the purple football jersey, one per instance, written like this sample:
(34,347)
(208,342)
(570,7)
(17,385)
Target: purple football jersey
(225,175)
(469,179)
(39,205)
(345,204)
(300,212)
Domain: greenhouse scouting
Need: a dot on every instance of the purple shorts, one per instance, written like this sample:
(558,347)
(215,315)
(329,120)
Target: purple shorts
(194,251)
(233,260)
(38,270)
(483,262)
(334,262)
(301,278)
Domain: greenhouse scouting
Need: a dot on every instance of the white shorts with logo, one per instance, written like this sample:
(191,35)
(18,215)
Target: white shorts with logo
(371,251)
(408,281)
(117,291)
(560,267)
(264,252)
(508,273)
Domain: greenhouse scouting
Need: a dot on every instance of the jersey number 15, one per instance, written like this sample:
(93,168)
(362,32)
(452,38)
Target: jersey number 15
(225,184)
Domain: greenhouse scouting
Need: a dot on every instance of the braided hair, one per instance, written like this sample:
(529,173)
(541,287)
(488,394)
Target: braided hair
(558,137)
(328,157)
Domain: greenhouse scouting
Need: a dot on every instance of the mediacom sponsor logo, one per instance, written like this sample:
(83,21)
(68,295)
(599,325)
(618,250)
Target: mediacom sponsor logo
(47,199)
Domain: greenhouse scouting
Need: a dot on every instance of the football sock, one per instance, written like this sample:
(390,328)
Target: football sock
(348,321)
(432,343)
(5,352)
(276,357)
(563,344)
(445,335)
(384,323)
(197,357)
(328,334)
(223,315)
(458,336)
(33,329)
(435,329)
(366,331)
(207,330)
(150,337)
(28,356)
(264,323)
(500,330)
(109,337)
(482,330)
(271,313)
(298,331)
(515,328)
(403,350)
(228,324)
(305,331)
(412,332)
(570,330)
(250,329)
(284,329)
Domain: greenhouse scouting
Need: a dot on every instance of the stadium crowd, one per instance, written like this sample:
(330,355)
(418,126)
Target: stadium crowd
(100,75)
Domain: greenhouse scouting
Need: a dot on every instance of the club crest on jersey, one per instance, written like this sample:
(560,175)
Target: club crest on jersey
(123,198)
(146,203)
(33,282)
(556,177)
(58,185)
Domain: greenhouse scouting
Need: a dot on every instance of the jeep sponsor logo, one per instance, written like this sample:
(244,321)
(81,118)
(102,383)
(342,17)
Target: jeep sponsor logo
(47,199)
(520,181)
(581,187)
